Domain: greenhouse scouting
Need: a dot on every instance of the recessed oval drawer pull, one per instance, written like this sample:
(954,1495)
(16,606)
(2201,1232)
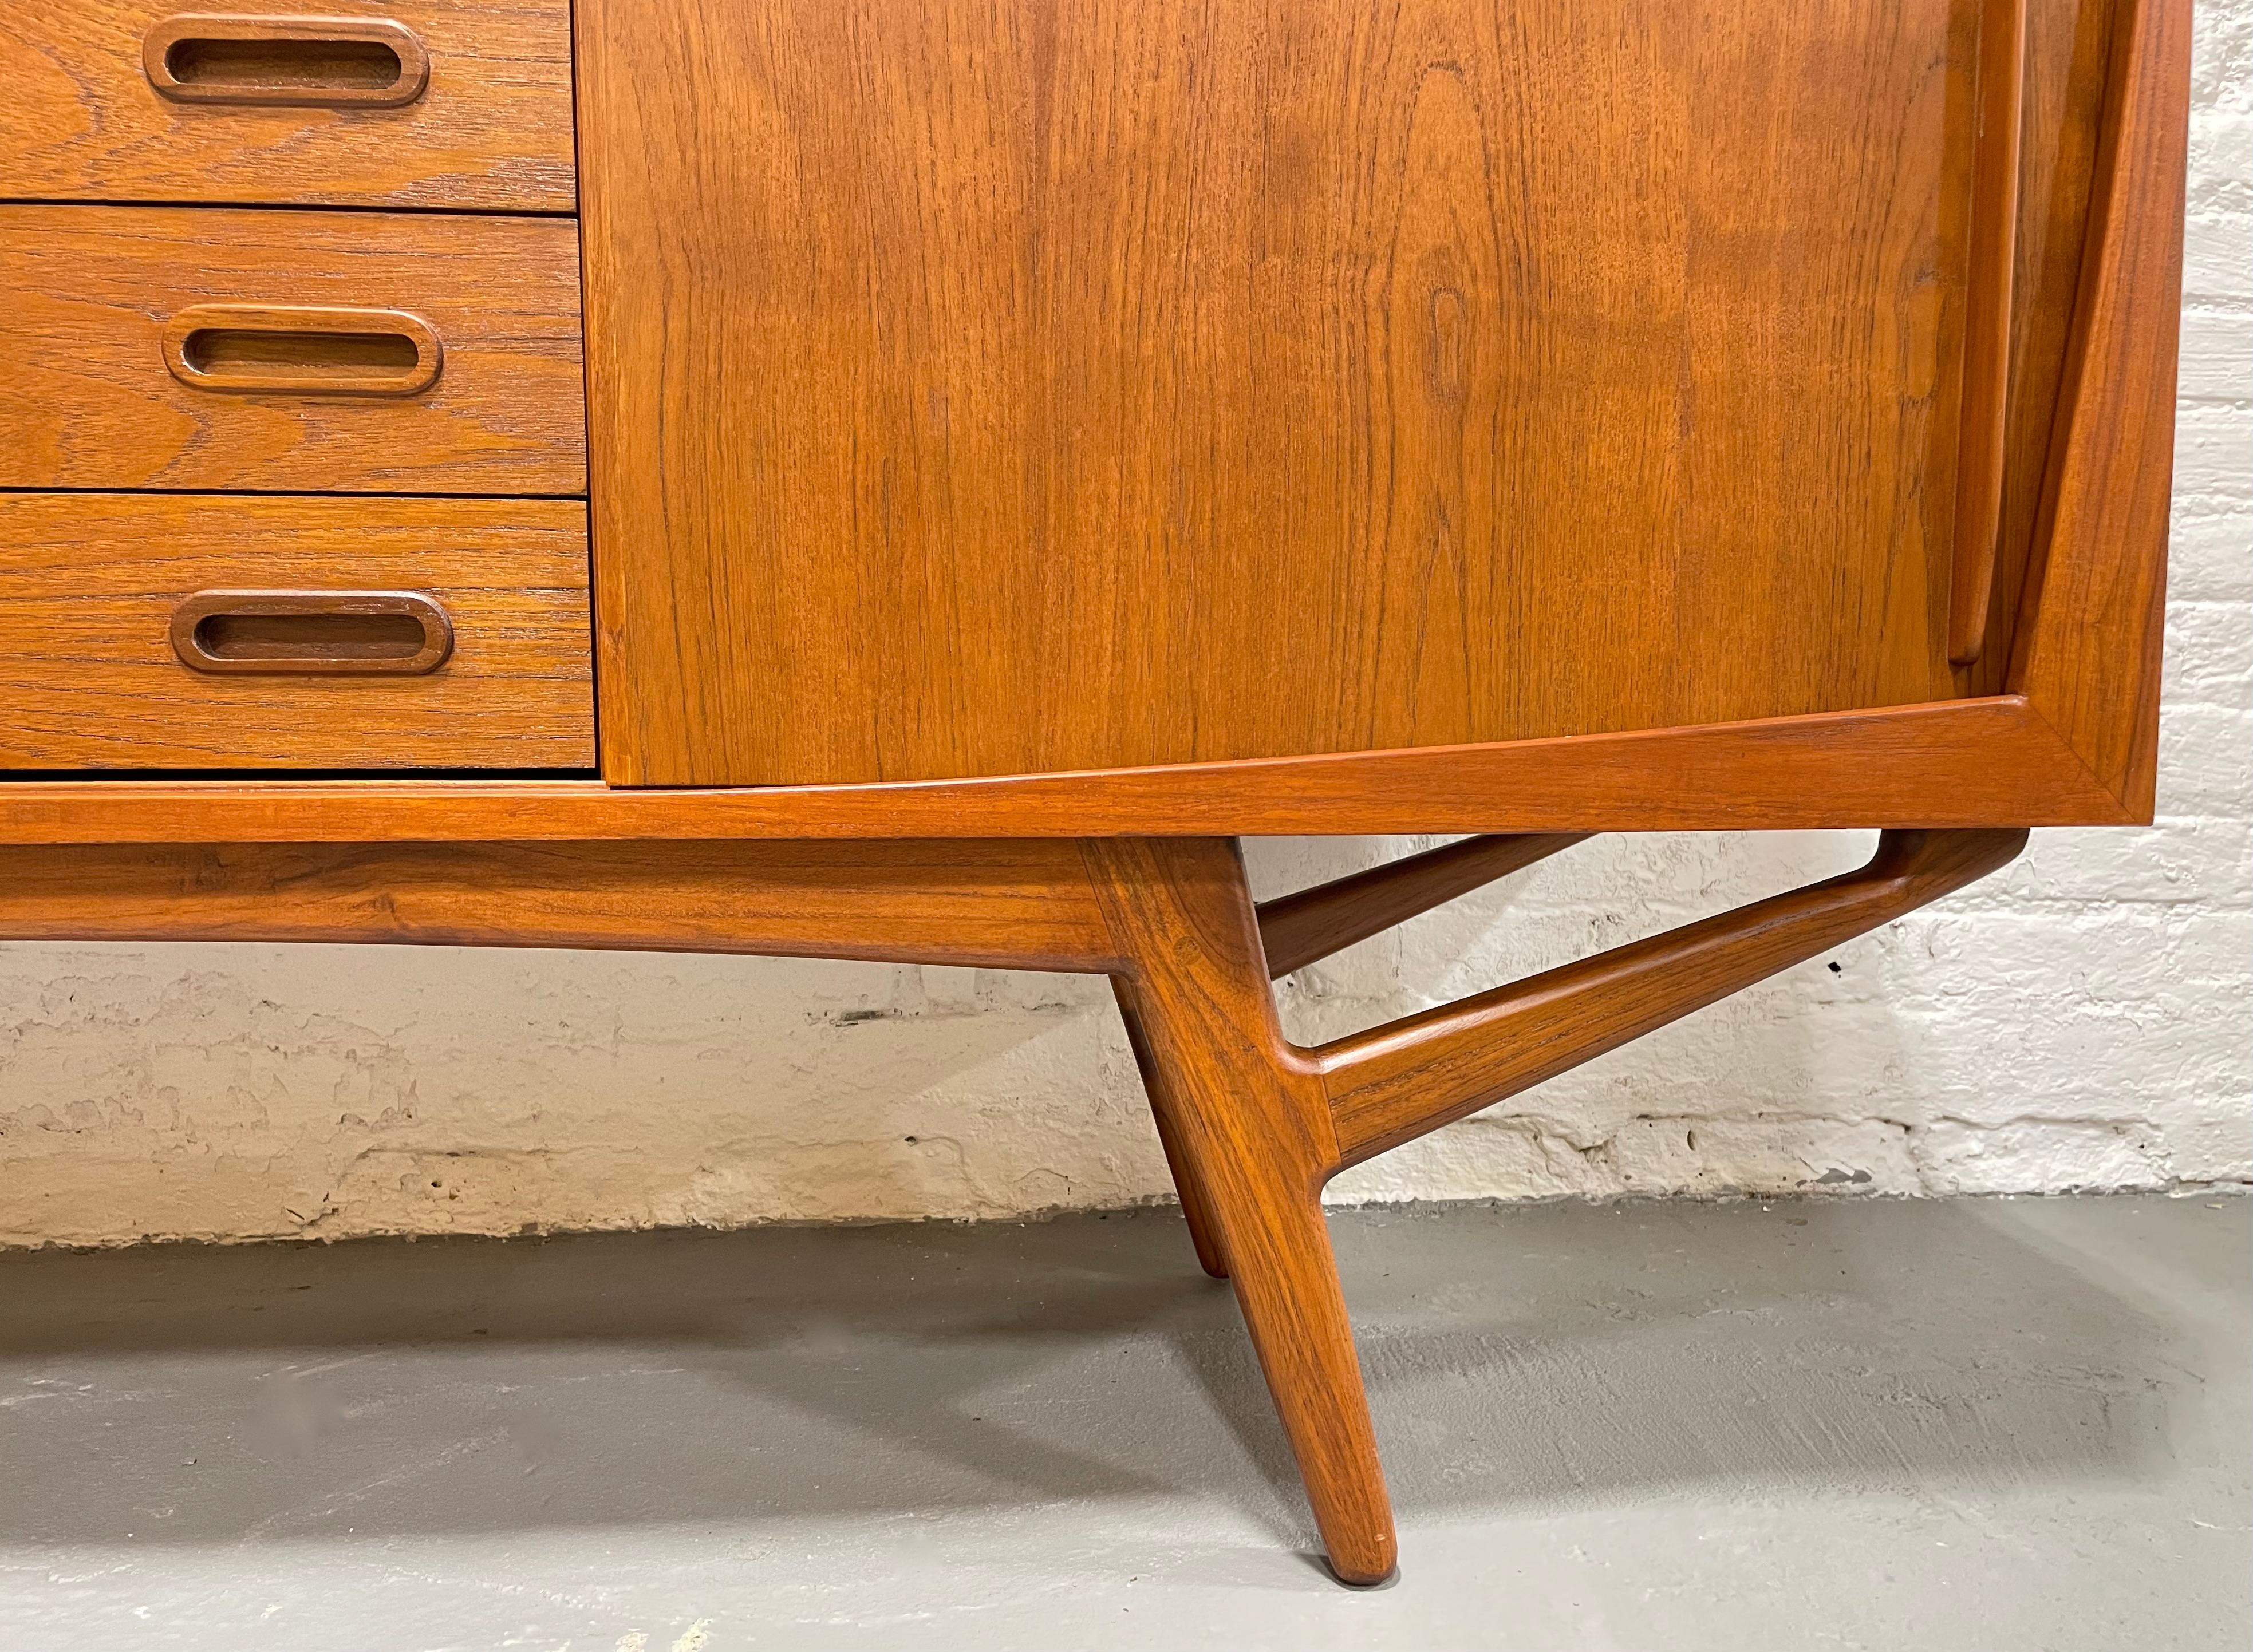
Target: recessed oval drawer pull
(358,633)
(366,63)
(303,349)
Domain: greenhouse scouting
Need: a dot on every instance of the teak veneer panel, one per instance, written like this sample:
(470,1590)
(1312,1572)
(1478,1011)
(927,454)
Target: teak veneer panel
(85,293)
(492,130)
(88,584)
(1085,384)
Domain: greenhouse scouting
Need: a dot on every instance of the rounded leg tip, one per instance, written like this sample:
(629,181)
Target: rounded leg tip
(1356,1580)
(1372,1570)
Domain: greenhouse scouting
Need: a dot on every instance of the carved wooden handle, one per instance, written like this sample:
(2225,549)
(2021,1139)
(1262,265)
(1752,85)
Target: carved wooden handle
(303,349)
(362,63)
(359,633)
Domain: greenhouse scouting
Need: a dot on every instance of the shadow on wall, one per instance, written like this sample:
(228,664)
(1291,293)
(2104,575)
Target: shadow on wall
(269,1091)
(1520,1359)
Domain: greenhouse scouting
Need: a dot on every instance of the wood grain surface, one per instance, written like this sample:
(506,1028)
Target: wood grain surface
(86,292)
(89,583)
(1007,905)
(492,130)
(1009,389)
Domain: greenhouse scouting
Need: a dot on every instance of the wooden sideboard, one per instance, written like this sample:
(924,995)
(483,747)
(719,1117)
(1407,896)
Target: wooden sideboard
(918,479)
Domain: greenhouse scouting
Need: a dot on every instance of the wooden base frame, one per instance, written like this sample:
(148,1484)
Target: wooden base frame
(1254,1126)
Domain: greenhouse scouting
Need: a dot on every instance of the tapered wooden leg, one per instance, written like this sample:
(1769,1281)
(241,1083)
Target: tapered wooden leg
(1194,1209)
(1248,1118)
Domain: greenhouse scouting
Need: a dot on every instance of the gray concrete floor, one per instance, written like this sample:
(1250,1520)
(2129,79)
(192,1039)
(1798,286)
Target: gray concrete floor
(1979,1425)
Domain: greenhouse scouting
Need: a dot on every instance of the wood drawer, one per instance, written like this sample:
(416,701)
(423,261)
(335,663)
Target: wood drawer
(90,583)
(490,128)
(87,295)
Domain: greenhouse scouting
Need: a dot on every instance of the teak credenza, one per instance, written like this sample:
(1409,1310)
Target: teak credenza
(918,479)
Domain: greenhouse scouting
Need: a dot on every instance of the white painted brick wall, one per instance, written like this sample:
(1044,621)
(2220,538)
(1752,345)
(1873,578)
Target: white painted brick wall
(2080,1021)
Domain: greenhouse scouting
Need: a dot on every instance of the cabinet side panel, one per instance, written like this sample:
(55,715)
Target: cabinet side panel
(2068,44)
(2088,650)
